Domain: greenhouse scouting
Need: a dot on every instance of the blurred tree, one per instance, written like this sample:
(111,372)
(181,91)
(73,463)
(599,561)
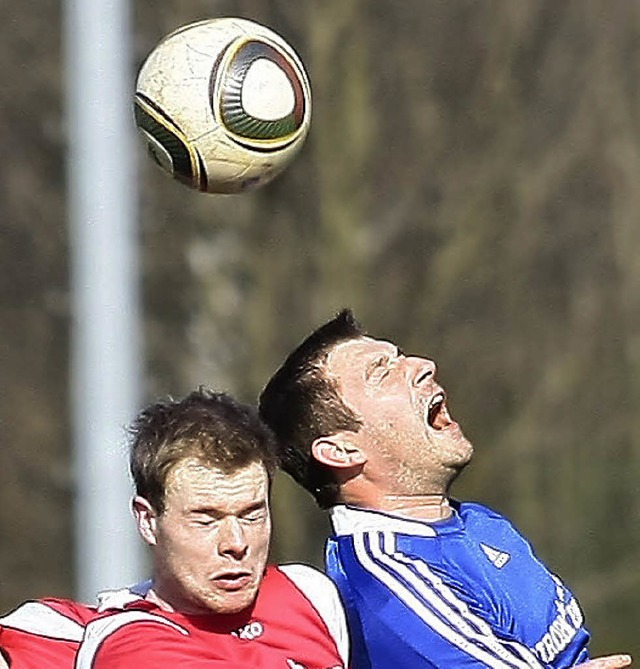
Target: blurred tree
(469,187)
(35,482)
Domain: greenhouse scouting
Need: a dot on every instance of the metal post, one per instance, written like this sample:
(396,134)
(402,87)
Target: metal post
(106,340)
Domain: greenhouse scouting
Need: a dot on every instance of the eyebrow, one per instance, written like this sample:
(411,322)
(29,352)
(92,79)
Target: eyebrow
(381,359)
(376,362)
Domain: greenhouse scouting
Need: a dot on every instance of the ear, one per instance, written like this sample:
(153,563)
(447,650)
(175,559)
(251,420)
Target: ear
(337,451)
(146,519)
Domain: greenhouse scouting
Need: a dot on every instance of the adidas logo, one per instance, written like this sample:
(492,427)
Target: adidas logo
(496,557)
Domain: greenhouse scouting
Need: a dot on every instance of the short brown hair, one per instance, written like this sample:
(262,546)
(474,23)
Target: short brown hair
(208,426)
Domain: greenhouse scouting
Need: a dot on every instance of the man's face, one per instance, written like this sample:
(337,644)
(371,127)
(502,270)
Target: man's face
(407,429)
(212,541)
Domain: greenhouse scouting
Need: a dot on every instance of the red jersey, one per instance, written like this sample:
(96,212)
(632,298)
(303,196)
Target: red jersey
(44,634)
(296,622)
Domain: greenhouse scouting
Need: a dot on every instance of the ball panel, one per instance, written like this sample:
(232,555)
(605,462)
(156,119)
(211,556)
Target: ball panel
(267,94)
(176,79)
(237,169)
(167,145)
(252,71)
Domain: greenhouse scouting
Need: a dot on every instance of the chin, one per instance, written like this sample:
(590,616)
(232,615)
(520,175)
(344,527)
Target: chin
(238,603)
(460,464)
(459,460)
(231,609)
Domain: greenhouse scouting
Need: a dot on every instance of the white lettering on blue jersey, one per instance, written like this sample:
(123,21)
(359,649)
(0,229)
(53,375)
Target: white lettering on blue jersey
(564,627)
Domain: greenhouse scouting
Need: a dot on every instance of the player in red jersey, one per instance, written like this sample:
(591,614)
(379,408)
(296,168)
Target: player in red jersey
(296,621)
(202,468)
(296,611)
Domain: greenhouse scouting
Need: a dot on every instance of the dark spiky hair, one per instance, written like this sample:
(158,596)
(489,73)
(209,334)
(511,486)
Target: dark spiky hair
(300,404)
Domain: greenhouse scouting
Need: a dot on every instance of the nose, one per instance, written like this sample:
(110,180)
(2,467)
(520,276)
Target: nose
(424,370)
(231,539)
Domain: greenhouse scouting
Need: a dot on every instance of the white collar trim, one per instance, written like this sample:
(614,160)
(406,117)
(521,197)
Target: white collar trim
(118,599)
(348,520)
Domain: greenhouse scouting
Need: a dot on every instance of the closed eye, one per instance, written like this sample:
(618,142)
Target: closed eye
(424,376)
(254,516)
(255,513)
(204,521)
(378,369)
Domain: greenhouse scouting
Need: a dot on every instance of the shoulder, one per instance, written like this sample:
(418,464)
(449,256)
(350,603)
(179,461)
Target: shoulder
(473,511)
(319,591)
(125,633)
(52,618)
(478,518)
(43,634)
(317,588)
(304,576)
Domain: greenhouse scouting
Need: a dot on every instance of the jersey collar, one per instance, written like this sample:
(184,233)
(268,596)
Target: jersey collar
(349,520)
(118,599)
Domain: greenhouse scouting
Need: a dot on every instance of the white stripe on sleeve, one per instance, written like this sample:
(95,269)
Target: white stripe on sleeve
(323,595)
(423,592)
(42,620)
(100,629)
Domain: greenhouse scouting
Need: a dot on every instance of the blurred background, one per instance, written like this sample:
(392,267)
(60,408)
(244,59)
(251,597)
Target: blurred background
(469,187)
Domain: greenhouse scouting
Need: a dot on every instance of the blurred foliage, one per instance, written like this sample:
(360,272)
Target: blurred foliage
(469,187)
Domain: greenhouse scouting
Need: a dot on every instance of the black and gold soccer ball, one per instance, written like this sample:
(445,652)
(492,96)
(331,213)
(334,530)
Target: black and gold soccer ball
(223,104)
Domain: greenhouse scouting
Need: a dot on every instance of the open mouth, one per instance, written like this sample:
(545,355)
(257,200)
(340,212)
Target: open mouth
(437,415)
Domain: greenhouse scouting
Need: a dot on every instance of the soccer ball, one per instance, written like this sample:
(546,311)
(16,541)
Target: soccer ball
(223,104)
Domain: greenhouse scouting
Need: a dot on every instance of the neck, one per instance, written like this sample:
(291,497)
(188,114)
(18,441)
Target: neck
(430,508)
(421,507)
(153,596)
(379,495)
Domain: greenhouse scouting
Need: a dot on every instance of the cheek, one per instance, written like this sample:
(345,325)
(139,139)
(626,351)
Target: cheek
(184,548)
(264,533)
(261,537)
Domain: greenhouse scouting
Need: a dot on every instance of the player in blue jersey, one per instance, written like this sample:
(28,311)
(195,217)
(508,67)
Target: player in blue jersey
(427,581)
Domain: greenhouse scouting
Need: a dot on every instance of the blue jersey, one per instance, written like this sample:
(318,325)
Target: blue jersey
(464,592)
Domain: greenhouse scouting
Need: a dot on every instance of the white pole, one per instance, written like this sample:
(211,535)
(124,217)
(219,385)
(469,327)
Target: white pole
(106,341)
